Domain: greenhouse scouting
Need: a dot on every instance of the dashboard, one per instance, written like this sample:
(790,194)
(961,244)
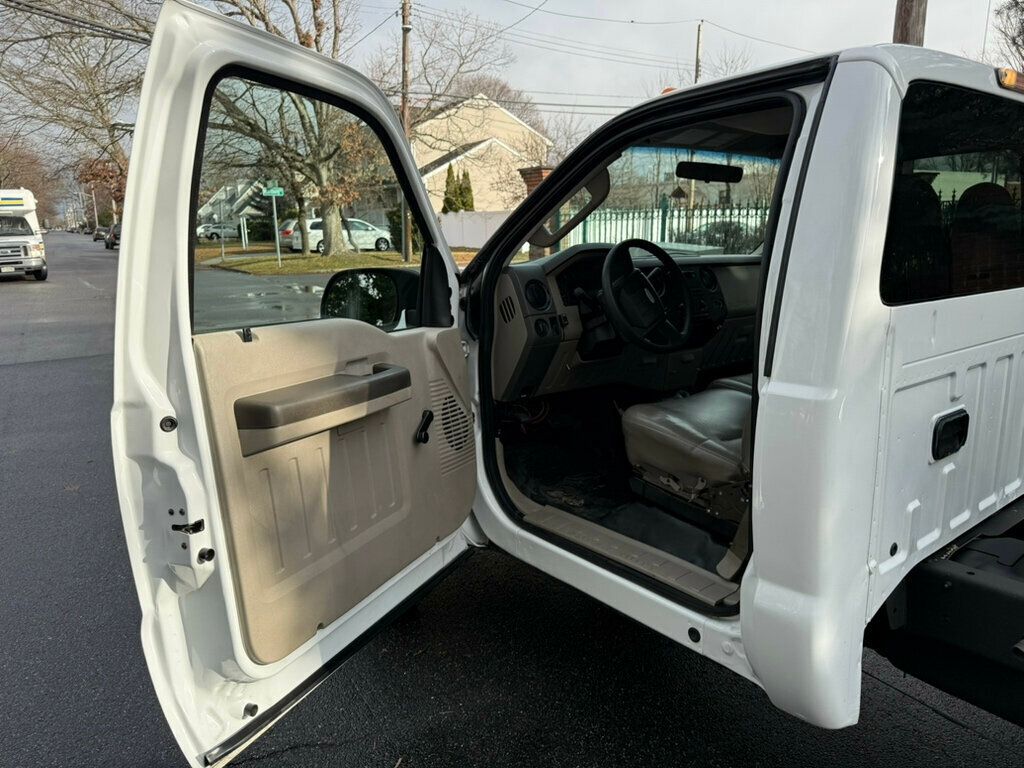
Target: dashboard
(552,335)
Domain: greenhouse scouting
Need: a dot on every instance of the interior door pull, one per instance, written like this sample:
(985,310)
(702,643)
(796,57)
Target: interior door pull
(950,433)
(269,419)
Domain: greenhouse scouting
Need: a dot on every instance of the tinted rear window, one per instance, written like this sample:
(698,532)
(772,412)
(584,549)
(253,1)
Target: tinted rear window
(955,222)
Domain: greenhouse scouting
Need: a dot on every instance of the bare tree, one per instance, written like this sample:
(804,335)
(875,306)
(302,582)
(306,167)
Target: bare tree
(75,89)
(565,130)
(726,61)
(326,26)
(450,53)
(518,102)
(1009,26)
(21,165)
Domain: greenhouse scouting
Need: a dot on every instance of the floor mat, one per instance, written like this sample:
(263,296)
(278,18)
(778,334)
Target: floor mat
(589,482)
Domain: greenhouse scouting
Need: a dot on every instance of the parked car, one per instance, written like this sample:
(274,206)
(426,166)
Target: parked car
(100,233)
(774,459)
(223,231)
(285,230)
(113,237)
(362,234)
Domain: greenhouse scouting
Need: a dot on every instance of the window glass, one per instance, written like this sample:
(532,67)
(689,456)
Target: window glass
(268,152)
(703,189)
(955,217)
(14,225)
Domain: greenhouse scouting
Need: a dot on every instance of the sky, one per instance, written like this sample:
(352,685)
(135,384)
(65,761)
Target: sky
(627,63)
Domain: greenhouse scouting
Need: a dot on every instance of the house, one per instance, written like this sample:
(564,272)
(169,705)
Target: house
(478,135)
(231,202)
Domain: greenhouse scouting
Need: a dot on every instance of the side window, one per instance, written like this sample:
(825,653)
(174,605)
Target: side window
(955,218)
(270,155)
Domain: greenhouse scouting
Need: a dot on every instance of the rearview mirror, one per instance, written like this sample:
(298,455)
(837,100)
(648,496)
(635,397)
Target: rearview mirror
(383,297)
(708,172)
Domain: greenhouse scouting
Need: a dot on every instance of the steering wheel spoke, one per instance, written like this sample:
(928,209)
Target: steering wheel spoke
(657,320)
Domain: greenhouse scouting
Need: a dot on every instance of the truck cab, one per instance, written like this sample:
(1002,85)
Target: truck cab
(774,437)
(22,251)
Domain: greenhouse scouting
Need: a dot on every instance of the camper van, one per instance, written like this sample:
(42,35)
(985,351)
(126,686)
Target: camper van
(21,241)
(776,455)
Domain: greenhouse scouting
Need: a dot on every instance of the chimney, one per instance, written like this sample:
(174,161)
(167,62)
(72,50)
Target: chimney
(533,176)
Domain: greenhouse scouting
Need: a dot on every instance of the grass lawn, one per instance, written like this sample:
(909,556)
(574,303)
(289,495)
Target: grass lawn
(260,259)
(315,263)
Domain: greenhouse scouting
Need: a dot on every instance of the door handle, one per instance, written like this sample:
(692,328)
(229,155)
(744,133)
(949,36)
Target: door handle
(279,416)
(950,433)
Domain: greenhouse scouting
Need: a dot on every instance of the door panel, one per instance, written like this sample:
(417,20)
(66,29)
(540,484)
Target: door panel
(318,523)
(263,556)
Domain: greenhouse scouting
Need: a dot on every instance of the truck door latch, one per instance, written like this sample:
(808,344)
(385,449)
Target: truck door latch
(189,528)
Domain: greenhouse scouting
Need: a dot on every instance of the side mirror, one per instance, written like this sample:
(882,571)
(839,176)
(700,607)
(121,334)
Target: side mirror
(383,297)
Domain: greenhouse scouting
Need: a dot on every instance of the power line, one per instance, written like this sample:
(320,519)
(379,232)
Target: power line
(758,39)
(662,23)
(604,18)
(438,14)
(500,100)
(576,49)
(383,21)
(524,18)
(78,22)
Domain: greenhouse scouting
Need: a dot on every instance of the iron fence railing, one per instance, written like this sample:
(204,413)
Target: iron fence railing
(734,228)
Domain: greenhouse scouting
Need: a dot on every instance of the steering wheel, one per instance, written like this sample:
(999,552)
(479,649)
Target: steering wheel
(658,321)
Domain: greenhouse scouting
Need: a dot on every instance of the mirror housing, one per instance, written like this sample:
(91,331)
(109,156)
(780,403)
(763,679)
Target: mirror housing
(708,172)
(380,296)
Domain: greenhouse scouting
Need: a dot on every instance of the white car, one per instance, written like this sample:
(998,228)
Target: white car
(362,234)
(846,468)
(220,231)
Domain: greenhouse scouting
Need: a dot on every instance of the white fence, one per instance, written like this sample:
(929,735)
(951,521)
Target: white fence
(470,229)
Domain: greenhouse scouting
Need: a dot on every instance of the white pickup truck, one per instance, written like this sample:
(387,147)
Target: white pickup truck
(775,451)
(22,251)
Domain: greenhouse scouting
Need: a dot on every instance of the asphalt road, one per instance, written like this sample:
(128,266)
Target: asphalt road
(498,666)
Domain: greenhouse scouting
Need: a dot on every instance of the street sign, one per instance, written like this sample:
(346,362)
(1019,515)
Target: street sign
(273,192)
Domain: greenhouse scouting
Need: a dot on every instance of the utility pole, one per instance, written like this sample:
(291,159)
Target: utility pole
(406,123)
(909,25)
(696,78)
(95,212)
(700,46)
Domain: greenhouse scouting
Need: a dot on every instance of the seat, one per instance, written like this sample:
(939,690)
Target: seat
(915,263)
(985,243)
(743,382)
(684,445)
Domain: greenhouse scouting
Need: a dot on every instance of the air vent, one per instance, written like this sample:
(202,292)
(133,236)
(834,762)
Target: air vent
(507,309)
(708,279)
(537,295)
(457,449)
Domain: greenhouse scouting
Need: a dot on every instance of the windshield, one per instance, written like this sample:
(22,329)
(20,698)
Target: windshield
(14,225)
(702,189)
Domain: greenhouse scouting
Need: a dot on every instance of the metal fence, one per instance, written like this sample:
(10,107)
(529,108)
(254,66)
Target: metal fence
(732,227)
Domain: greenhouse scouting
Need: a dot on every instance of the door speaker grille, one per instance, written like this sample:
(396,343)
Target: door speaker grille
(456,449)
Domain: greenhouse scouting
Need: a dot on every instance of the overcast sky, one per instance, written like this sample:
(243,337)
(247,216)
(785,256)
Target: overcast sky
(647,56)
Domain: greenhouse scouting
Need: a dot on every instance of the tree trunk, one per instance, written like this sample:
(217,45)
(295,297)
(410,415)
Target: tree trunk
(335,242)
(302,224)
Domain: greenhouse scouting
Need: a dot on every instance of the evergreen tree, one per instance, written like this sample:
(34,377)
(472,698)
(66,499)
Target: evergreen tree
(467,191)
(452,193)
